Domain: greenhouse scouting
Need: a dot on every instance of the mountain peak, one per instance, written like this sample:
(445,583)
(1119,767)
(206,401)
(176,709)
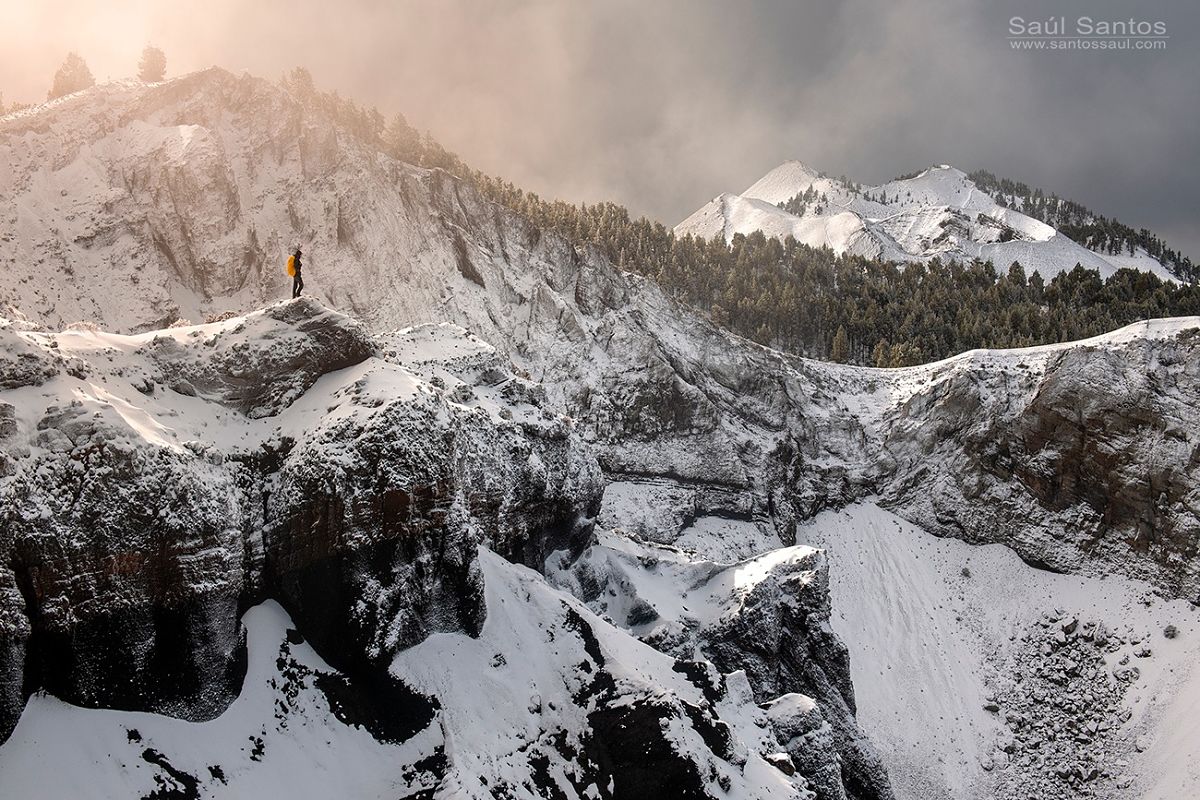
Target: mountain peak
(939,212)
(784,182)
(946,170)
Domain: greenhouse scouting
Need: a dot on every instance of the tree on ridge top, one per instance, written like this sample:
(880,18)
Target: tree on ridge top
(72,76)
(153,66)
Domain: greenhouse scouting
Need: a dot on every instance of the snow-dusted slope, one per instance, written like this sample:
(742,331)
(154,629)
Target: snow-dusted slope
(510,712)
(133,206)
(262,745)
(1078,456)
(786,181)
(938,213)
(984,677)
(765,617)
(842,231)
(978,675)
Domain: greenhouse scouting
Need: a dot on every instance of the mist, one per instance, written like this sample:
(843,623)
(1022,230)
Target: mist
(660,106)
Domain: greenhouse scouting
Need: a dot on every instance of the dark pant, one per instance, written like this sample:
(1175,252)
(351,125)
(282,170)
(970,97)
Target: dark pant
(297,285)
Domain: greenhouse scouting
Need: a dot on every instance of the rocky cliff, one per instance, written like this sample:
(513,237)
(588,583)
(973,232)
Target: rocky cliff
(1082,458)
(171,486)
(655,388)
(156,487)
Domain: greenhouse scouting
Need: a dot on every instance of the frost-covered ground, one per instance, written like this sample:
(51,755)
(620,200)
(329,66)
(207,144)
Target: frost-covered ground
(976,674)
(1012,373)
(939,212)
(514,687)
(946,642)
(517,685)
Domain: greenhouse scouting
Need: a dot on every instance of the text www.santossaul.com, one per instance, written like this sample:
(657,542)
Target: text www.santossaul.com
(1080,43)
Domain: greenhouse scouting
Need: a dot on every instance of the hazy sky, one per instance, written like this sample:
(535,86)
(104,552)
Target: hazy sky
(662,104)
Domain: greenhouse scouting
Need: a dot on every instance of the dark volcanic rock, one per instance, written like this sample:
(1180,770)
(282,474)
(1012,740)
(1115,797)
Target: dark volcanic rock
(769,620)
(129,561)
(125,560)
(780,635)
(810,742)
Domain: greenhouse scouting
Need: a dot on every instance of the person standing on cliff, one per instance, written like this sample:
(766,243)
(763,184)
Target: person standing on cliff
(295,270)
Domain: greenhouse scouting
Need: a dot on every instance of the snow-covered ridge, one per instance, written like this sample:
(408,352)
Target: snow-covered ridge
(937,213)
(903,382)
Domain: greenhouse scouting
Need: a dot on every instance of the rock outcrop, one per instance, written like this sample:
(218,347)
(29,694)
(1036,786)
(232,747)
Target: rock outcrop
(766,619)
(131,554)
(1082,458)
(779,634)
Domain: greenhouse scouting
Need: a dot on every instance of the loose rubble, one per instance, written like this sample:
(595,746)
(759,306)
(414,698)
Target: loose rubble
(1059,702)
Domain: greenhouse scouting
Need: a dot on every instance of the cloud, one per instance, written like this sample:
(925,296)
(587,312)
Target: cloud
(662,105)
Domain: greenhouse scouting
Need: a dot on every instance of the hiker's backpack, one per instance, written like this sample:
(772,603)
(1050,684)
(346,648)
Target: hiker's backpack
(291,266)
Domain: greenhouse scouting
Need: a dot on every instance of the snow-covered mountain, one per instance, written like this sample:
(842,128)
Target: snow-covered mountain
(554,523)
(388,493)
(938,213)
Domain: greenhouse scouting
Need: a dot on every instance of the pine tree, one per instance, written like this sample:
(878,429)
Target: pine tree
(402,140)
(434,155)
(792,297)
(153,66)
(300,81)
(1016,274)
(719,315)
(879,356)
(72,76)
(840,351)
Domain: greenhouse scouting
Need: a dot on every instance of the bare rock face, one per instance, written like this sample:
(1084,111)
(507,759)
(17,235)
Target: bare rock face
(8,420)
(1112,432)
(809,740)
(124,558)
(374,528)
(1088,464)
(779,634)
